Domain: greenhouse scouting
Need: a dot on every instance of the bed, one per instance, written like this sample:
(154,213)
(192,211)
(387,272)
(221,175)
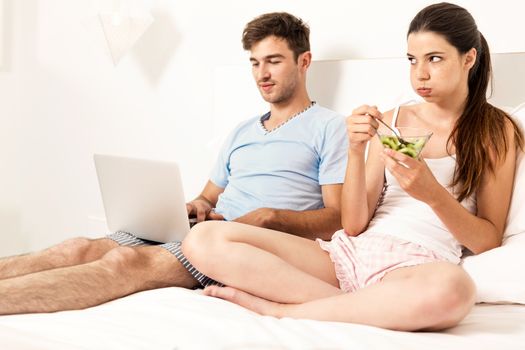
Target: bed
(176,318)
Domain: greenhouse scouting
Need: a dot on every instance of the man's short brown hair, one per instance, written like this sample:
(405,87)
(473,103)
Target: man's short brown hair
(282,25)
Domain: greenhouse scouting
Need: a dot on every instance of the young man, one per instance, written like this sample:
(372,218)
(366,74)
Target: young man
(282,171)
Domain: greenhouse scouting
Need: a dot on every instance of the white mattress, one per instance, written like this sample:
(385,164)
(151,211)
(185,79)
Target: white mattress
(175,318)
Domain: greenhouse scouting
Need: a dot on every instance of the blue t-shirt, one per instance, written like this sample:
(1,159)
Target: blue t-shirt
(284,168)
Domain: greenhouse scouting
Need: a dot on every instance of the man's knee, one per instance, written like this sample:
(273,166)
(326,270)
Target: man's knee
(77,244)
(148,267)
(72,251)
(122,258)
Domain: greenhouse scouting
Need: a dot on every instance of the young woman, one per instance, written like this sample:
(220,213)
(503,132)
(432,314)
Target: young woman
(395,263)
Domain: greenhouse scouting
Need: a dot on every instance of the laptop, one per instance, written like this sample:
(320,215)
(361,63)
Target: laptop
(143,197)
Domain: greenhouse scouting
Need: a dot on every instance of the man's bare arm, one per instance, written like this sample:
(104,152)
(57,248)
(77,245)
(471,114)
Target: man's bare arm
(201,207)
(320,223)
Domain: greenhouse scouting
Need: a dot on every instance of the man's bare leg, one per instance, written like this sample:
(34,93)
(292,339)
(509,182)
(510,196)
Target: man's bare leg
(122,271)
(68,253)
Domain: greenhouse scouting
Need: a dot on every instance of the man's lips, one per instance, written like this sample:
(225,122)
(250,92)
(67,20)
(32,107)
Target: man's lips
(266,86)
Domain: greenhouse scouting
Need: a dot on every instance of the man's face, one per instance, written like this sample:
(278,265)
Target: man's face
(275,70)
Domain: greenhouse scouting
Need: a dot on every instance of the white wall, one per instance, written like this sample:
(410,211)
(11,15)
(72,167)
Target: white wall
(61,98)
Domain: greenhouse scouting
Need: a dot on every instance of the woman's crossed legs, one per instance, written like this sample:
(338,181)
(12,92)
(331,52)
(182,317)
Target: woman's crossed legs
(278,274)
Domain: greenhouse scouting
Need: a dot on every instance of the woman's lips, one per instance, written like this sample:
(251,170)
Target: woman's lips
(424,92)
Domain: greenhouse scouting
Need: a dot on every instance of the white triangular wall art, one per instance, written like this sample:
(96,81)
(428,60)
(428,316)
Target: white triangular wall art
(122,32)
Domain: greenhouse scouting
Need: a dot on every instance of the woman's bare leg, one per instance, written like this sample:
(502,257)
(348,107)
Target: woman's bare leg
(274,265)
(432,296)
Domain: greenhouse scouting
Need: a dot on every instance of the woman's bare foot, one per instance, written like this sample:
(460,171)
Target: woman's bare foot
(249,301)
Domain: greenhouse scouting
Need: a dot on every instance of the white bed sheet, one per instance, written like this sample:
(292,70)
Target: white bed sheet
(176,318)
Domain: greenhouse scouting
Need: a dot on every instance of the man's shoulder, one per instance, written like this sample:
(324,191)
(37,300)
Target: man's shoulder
(246,123)
(325,112)
(323,116)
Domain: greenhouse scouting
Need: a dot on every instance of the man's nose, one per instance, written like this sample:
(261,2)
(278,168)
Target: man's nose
(264,73)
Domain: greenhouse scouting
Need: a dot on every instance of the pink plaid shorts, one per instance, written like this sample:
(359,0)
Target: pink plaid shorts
(364,260)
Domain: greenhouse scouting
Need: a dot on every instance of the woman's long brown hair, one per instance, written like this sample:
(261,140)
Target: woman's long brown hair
(479,134)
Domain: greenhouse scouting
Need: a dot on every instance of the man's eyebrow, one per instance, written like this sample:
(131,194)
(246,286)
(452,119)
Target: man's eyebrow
(268,57)
(275,55)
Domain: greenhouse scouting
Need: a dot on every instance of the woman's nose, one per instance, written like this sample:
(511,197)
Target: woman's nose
(422,72)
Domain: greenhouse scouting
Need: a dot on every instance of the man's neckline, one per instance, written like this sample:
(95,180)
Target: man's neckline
(267,116)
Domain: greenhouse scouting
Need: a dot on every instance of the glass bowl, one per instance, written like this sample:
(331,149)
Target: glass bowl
(412,143)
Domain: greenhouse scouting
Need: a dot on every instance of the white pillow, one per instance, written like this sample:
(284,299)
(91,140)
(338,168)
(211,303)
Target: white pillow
(498,273)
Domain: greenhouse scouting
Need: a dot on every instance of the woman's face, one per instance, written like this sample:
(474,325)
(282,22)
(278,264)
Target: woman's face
(437,69)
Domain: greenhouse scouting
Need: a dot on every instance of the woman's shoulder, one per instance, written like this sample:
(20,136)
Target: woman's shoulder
(405,111)
(413,109)
(514,134)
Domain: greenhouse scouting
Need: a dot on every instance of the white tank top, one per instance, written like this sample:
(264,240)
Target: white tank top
(409,219)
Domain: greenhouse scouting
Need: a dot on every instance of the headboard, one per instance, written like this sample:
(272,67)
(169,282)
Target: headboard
(345,84)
